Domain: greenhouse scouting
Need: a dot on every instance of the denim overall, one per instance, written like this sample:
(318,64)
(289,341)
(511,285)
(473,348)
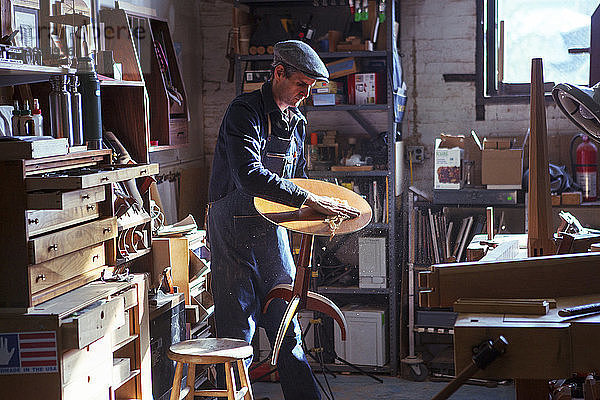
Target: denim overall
(251,255)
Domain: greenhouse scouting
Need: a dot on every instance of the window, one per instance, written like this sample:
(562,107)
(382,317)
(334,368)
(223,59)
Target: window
(512,32)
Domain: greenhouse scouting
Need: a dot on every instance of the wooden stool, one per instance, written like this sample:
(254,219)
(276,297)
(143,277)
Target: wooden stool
(211,351)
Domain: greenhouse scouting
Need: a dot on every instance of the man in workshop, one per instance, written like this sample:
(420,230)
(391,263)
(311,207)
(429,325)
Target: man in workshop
(260,146)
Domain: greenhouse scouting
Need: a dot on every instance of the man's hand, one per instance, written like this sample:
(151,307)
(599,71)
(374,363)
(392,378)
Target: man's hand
(328,206)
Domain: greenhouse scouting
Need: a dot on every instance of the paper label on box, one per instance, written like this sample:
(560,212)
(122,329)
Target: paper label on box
(28,353)
(447,171)
(364,87)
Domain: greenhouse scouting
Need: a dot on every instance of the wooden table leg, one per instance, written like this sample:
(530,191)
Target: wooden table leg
(532,389)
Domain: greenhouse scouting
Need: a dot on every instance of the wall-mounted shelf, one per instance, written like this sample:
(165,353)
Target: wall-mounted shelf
(345,174)
(337,54)
(349,107)
(350,290)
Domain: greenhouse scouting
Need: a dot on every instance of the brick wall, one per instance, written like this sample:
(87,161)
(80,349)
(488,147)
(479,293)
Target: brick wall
(439,38)
(215,22)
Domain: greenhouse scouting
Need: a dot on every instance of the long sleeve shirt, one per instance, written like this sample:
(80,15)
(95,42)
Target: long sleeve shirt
(238,163)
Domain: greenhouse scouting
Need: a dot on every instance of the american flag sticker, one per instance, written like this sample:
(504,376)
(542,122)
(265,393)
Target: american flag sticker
(28,353)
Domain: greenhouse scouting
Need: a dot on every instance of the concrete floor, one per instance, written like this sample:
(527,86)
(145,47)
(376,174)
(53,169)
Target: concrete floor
(358,387)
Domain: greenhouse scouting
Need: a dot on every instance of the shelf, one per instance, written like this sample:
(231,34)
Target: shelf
(316,367)
(140,253)
(154,149)
(348,107)
(337,54)
(16,74)
(345,174)
(124,342)
(132,375)
(115,82)
(351,290)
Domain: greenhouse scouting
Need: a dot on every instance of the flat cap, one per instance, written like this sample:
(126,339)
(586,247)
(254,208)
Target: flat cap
(302,57)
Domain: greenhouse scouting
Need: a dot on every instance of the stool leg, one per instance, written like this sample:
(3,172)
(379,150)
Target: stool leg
(177,381)
(245,379)
(191,381)
(229,377)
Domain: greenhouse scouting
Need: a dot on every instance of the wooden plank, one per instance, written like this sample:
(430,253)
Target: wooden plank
(539,277)
(53,272)
(539,241)
(64,200)
(502,306)
(42,221)
(52,245)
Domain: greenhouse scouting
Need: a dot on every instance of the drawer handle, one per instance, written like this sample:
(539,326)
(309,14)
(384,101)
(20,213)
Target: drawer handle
(40,277)
(53,247)
(142,172)
(94,257)
(180,133)
(91,207)
(105,179)
(33,221)
(106,230)
(85,196)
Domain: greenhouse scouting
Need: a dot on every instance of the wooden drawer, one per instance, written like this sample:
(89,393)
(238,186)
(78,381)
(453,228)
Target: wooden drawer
(95,385)
(59,243)
(47,274)
(130,298)
(89,177)
(64,200)
(78,363)
(92,323)
(178,131)
(42,221)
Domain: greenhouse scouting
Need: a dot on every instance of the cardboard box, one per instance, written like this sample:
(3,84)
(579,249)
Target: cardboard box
(472,152)
(342,67)
(502,167)
(571,198)
(366,88)
(327,99)
(497,143)
(447,166)
(327,87)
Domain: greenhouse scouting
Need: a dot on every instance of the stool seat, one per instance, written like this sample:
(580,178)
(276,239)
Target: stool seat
(210,351)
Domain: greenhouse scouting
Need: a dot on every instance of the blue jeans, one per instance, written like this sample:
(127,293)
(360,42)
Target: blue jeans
(249,256)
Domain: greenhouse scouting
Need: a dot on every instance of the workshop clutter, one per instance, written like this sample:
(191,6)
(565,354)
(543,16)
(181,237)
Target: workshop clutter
(501,163)
(463,161)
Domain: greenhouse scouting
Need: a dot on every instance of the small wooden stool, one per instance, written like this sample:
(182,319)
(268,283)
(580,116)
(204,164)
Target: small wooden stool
(211,351)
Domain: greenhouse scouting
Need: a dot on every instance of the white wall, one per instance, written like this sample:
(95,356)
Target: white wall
(438,37)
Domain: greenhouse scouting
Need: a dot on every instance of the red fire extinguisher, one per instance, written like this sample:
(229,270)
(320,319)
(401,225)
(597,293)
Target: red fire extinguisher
(586,168)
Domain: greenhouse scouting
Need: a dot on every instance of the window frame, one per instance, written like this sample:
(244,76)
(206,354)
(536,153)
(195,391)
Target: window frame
(485,80)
